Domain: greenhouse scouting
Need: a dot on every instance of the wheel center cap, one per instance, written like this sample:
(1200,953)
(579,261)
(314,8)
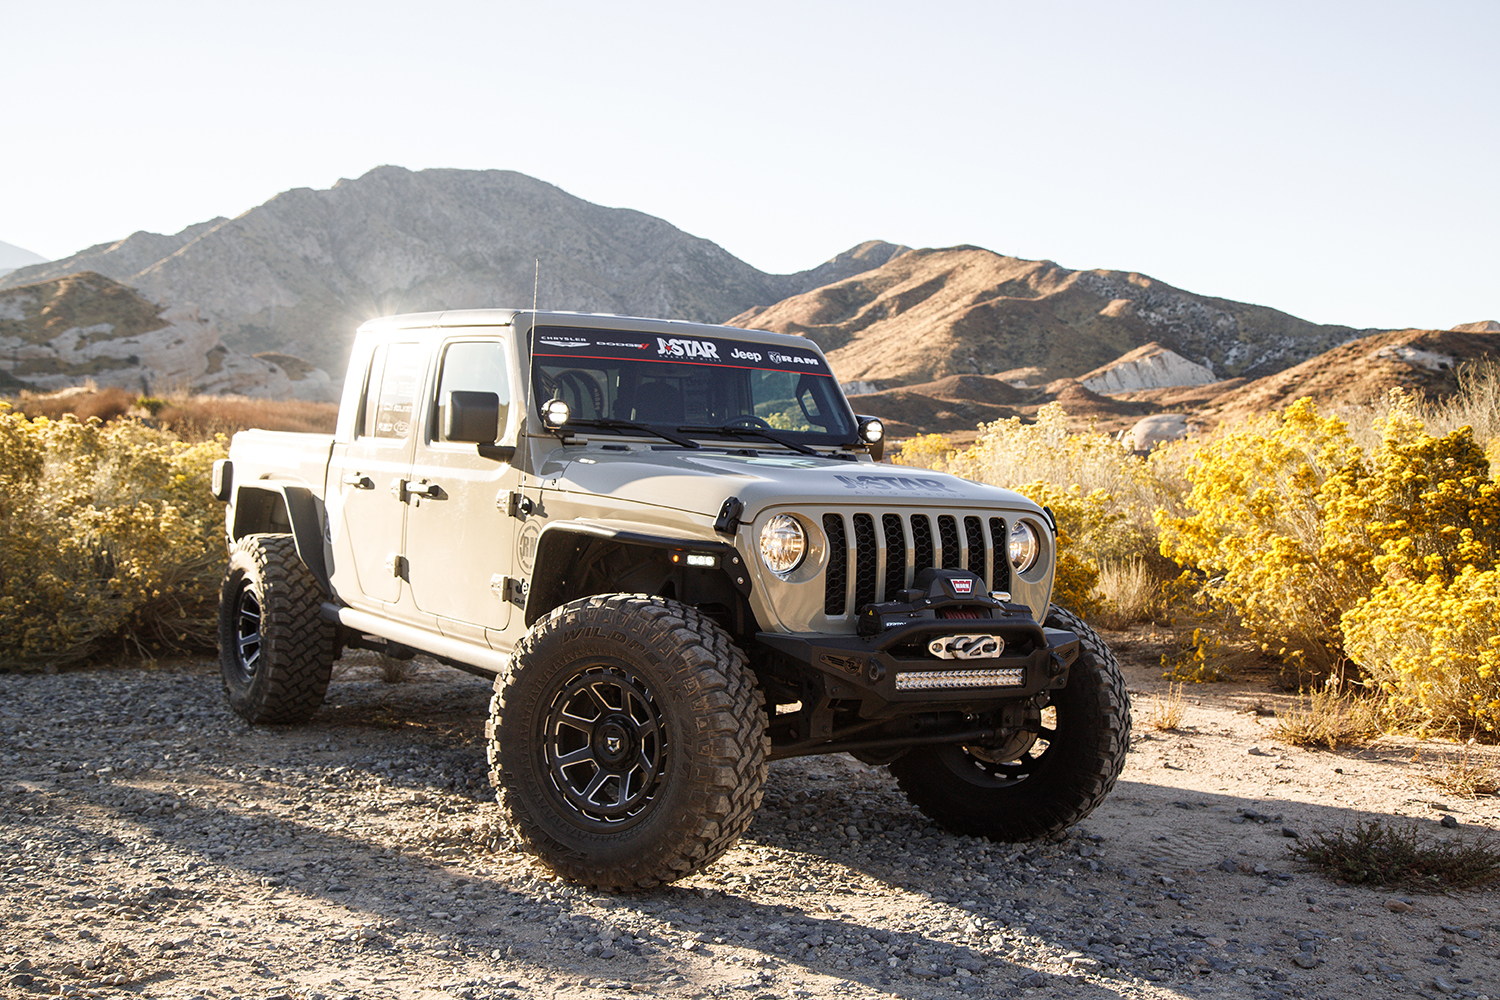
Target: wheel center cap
(613,741)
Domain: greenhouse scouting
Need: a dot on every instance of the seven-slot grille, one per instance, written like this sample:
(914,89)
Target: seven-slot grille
(874,554)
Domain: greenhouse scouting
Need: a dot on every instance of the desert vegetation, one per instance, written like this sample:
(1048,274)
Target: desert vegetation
(1401,856)
(188,416)
(1357,549)
(112,544)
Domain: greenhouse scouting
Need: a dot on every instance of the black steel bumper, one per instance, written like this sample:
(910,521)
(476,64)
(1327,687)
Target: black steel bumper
(892,673)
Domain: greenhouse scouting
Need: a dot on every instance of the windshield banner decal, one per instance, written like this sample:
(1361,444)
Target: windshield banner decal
(619,345)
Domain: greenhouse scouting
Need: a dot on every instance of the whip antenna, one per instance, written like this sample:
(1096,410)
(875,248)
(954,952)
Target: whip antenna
(536,282)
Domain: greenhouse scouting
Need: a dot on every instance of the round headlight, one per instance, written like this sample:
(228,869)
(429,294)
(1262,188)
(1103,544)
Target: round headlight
(783,543)
(1025,546)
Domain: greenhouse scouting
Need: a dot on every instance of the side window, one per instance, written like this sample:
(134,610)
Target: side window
(473,366)
(395,375)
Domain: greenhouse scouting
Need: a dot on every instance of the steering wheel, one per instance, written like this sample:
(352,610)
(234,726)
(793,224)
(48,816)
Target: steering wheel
(750,420)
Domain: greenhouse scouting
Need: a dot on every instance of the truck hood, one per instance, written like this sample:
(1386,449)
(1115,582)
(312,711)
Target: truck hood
(700,481)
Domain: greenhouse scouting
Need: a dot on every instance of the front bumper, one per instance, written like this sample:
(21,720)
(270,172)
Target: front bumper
(892,673)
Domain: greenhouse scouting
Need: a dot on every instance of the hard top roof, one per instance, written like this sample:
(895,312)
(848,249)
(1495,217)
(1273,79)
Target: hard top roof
(599,321)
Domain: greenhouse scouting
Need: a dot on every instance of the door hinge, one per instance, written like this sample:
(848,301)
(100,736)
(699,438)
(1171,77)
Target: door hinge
(510,589)
(396,563)
(518,505)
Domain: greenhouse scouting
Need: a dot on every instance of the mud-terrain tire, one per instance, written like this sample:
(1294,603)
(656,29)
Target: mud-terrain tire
(1052,785)
(627,741)
(275,652)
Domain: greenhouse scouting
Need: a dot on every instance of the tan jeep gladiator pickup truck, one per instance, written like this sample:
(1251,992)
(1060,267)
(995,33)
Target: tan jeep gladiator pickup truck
(672,548)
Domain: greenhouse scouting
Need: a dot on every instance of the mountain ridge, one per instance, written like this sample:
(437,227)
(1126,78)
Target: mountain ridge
(299,272)
(931,313)
(290,279)
(12,257)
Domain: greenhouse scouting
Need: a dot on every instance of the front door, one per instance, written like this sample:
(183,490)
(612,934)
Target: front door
(459,533)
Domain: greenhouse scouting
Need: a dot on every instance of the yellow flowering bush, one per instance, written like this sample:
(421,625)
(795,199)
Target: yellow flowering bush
(111,541)
(1433,649)
(1330,556)
(1079,517)
(925,451)
(1428,636)
(1257,531)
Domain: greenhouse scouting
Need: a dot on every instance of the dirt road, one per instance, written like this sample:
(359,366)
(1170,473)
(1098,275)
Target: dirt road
(152,845)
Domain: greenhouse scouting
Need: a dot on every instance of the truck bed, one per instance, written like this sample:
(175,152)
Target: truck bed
(282,455)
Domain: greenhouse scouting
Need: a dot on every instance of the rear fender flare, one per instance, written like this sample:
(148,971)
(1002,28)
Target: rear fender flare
(269,507)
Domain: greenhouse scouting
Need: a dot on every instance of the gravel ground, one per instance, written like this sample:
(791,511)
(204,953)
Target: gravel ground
(153,845)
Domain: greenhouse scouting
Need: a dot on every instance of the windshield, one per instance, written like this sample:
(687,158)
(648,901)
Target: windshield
(697,383)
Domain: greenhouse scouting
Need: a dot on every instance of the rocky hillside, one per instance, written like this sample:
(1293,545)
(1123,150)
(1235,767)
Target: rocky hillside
(1425,361)
(61,332)
(964,310)
(299,273)
(1149,367)
(293,278)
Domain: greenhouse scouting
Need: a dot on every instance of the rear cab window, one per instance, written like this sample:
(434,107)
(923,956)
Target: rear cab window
(391,394)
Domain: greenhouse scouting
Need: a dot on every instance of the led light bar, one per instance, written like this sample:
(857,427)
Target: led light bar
(927,680)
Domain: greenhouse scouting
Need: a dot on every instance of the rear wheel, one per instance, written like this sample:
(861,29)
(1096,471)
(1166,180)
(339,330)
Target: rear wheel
(627,741)
(1043,779)
(275,651)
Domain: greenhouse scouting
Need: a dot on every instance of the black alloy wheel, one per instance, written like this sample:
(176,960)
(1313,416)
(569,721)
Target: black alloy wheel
(247,641)
(605,745)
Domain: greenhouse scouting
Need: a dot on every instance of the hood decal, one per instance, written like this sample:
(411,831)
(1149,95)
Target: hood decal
(870,485)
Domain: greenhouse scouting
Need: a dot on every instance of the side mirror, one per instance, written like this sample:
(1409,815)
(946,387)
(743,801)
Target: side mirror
(872,436)
(472,416)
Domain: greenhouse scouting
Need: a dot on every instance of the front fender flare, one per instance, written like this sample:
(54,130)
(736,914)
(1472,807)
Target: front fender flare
(560,539)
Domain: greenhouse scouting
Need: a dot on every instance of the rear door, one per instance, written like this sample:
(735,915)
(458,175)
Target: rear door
(459,533)
(365,474)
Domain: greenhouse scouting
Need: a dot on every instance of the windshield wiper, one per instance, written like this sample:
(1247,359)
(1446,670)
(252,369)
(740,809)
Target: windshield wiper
(744,430)
(634,425)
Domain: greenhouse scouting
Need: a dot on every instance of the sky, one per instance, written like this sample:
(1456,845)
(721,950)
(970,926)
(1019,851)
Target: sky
(1338,161)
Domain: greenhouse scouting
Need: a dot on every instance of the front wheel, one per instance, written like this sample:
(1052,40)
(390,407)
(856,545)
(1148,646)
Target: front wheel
(627,741)
(1046,777)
